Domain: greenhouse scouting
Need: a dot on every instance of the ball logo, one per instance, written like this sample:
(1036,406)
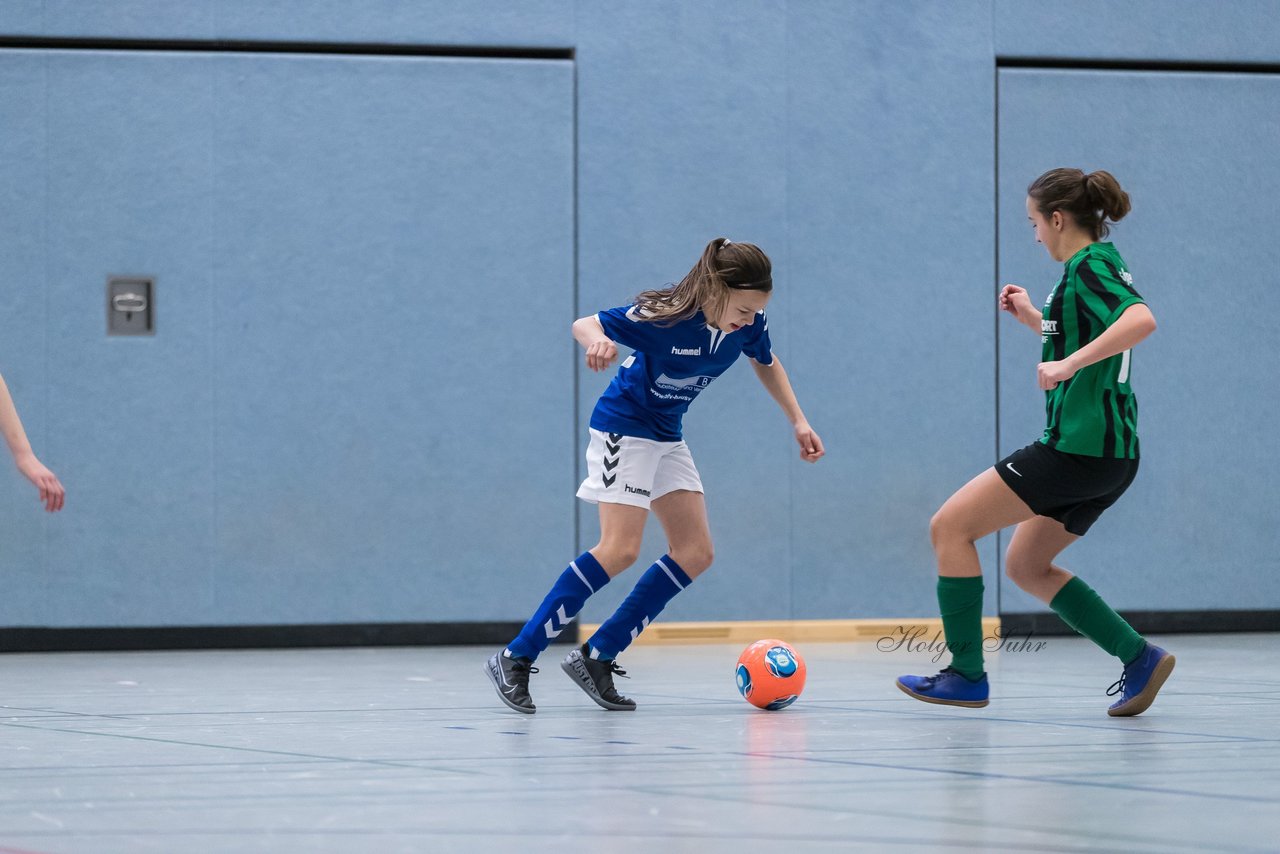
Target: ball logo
(780,662)
(770,674)
(781,703)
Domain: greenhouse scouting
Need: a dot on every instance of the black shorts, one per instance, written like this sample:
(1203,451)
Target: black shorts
(1071,488)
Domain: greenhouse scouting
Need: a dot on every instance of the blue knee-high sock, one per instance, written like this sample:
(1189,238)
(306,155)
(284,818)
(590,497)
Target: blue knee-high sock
(583,577)
(658,586)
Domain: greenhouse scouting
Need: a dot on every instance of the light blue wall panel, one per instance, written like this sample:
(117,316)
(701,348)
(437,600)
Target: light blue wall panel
(890,210)
(117,18)
(23,344)
(1196,152)
(801,129)
(335,238)
(124,160)
(683,139)
(539,23)
(394,279)
(330,414)
(1225,31)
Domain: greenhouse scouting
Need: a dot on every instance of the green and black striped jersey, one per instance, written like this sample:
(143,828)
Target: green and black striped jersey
(1095,413)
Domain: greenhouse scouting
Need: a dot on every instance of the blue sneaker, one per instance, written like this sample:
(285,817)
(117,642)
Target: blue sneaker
(1140,681)
(950,688)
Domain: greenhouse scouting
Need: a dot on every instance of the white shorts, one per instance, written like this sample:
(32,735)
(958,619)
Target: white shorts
(630,470)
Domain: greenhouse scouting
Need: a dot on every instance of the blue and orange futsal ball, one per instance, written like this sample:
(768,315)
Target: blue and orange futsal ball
(770,674)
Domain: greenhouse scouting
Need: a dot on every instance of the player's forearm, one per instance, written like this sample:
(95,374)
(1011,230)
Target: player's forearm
(1128,331)
(774,379)
(587,331)
(11,425)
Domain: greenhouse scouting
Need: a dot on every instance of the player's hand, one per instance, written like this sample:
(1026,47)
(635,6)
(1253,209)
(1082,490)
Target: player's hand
(811,449)
(601,354)
(1015,300)
(1049,374)
(52,495)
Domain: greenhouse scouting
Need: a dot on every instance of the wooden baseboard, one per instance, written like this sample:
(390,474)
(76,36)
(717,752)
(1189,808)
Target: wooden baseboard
(793,631)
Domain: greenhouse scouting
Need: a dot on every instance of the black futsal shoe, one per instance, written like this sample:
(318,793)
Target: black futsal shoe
(510,676)
(596,678)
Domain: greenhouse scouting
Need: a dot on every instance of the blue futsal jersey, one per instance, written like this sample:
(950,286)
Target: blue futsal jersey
(670,367)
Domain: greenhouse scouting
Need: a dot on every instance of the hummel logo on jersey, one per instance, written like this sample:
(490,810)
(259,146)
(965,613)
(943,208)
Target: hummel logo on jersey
(631,488)
(1010,467)
(686,351)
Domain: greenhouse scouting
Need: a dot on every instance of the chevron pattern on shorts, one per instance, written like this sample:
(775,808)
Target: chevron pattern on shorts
(612,449)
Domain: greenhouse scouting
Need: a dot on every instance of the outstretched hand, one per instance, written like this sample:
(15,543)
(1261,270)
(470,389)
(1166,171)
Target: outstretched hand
(811,449)
(52,495)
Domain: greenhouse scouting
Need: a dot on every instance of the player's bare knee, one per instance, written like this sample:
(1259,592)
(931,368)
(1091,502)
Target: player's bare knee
(945,528)
(936,525)
(616,557)
(623,558)
(694,560)
(1022,571)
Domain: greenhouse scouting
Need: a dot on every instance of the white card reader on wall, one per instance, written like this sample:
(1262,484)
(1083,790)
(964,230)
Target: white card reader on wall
(131,305)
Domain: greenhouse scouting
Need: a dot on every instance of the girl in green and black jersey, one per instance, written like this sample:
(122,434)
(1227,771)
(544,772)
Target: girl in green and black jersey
(1058,486)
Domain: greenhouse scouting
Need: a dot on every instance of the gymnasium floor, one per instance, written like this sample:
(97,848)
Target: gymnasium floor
(395,749)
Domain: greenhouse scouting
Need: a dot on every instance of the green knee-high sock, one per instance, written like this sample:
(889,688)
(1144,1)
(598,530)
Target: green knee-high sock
(960,601)
(1083,610)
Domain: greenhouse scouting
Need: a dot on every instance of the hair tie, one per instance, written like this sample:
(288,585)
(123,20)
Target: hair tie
(762,285)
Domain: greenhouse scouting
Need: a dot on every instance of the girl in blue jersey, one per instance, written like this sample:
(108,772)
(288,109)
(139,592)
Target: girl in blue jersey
(684,336)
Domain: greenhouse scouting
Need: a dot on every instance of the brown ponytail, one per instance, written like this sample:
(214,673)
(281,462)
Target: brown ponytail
(725,265)
(1090,199)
